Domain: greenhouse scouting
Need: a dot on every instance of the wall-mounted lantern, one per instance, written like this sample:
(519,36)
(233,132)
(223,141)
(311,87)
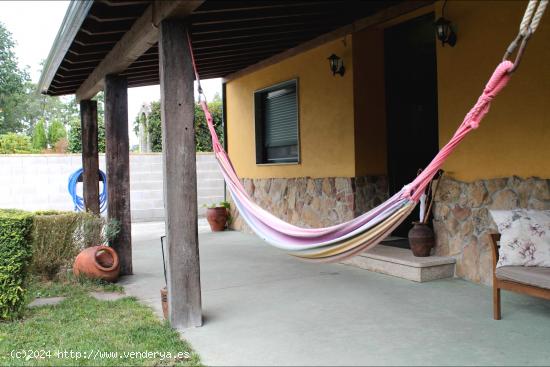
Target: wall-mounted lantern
(444,29)
(336,65)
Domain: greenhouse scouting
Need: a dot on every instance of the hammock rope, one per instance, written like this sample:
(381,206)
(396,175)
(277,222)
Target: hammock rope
(344,240)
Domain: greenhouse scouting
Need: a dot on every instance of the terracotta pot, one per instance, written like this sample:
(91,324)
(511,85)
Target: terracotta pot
(97,262)
(164,301)
(421,239)
(217,218)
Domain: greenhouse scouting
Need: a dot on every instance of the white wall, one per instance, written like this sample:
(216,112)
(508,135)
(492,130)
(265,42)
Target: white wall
(39,182)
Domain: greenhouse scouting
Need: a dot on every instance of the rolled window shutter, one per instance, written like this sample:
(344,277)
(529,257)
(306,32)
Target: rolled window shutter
(281,118)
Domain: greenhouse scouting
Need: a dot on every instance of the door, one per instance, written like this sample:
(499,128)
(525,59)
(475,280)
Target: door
(411,102)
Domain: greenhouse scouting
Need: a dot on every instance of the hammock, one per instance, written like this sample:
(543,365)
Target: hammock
(342,241)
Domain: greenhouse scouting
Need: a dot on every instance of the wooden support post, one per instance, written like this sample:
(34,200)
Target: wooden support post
(117,157)
(180,175)
(90,159)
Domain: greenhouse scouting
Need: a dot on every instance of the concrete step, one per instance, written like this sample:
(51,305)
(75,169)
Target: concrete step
(401,263)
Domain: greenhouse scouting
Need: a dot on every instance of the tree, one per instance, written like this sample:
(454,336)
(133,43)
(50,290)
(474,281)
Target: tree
(75,137)
(154,127)
(75,129)
(56,132)
(203,141)
(39,136)
(13,86)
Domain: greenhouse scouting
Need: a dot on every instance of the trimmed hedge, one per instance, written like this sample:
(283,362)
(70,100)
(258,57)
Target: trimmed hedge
(54,244)
(58,236)
(15,254)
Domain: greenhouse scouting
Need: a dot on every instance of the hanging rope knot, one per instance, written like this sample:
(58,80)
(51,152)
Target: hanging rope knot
(479,110)
(496,83)
(499,79)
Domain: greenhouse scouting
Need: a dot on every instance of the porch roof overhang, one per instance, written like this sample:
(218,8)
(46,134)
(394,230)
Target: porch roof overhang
(100,37)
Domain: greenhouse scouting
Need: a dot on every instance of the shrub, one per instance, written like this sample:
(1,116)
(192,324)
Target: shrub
(61,146)
(53,242)
(90,231)
(12,143)
(56,132)
(15,250)
(59,236)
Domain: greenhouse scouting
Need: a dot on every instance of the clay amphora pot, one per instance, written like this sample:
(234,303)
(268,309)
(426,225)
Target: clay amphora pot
(217,218)
(421,239)
(97,262)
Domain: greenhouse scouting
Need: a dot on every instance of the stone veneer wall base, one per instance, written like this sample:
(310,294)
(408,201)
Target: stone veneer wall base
(314,202)
(462,221)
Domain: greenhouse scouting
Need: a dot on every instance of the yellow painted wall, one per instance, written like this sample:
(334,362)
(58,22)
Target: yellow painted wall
(514,138)
(342,125)
(325,115)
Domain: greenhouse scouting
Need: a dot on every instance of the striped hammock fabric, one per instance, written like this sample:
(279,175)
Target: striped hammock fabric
(344,240)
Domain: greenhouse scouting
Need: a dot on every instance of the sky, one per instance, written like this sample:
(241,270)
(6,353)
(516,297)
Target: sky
(34,25)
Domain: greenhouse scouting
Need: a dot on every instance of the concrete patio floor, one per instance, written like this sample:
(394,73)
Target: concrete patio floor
(263,307)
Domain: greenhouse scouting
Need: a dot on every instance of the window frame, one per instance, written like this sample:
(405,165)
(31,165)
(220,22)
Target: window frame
(259,123)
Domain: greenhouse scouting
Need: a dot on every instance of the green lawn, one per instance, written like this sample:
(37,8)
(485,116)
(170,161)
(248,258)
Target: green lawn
(89,329)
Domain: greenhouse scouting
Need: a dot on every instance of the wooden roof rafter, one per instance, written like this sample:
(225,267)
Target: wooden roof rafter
(229,37)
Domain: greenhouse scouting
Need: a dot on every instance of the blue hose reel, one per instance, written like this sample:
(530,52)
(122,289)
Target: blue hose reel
(78,201)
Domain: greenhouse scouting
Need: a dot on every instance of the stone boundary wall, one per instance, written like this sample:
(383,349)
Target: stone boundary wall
(462,220)
(314,202)
(39,182)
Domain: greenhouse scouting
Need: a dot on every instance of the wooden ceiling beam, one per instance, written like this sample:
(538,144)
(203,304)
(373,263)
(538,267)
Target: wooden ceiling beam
(68,81)
(233,58)
(234,6)
(144,84)
(259,17)
(236,65)
(134,43)
(140,72)
(70,70)
(70,61)
(69,87)
(92,27)
(228,55)
(261,35)
(231,50)
(122,2)
(108,42)
(80,50)
(102,12)
(252,43)
(207,30)
(71,75)
(143,66)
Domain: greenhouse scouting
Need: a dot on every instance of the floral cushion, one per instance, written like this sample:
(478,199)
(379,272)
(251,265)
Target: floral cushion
(525,237)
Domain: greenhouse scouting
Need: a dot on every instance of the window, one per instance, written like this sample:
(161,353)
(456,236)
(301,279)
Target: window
(276,110)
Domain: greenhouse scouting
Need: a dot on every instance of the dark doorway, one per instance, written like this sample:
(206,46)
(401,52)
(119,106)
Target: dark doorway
(411,102)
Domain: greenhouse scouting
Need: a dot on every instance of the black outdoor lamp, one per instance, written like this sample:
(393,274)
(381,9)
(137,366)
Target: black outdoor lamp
(444,30)
(336,65)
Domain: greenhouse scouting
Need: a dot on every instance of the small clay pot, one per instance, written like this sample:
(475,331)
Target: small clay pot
(217,218)
(164,301)
(421,239)
(97,262)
